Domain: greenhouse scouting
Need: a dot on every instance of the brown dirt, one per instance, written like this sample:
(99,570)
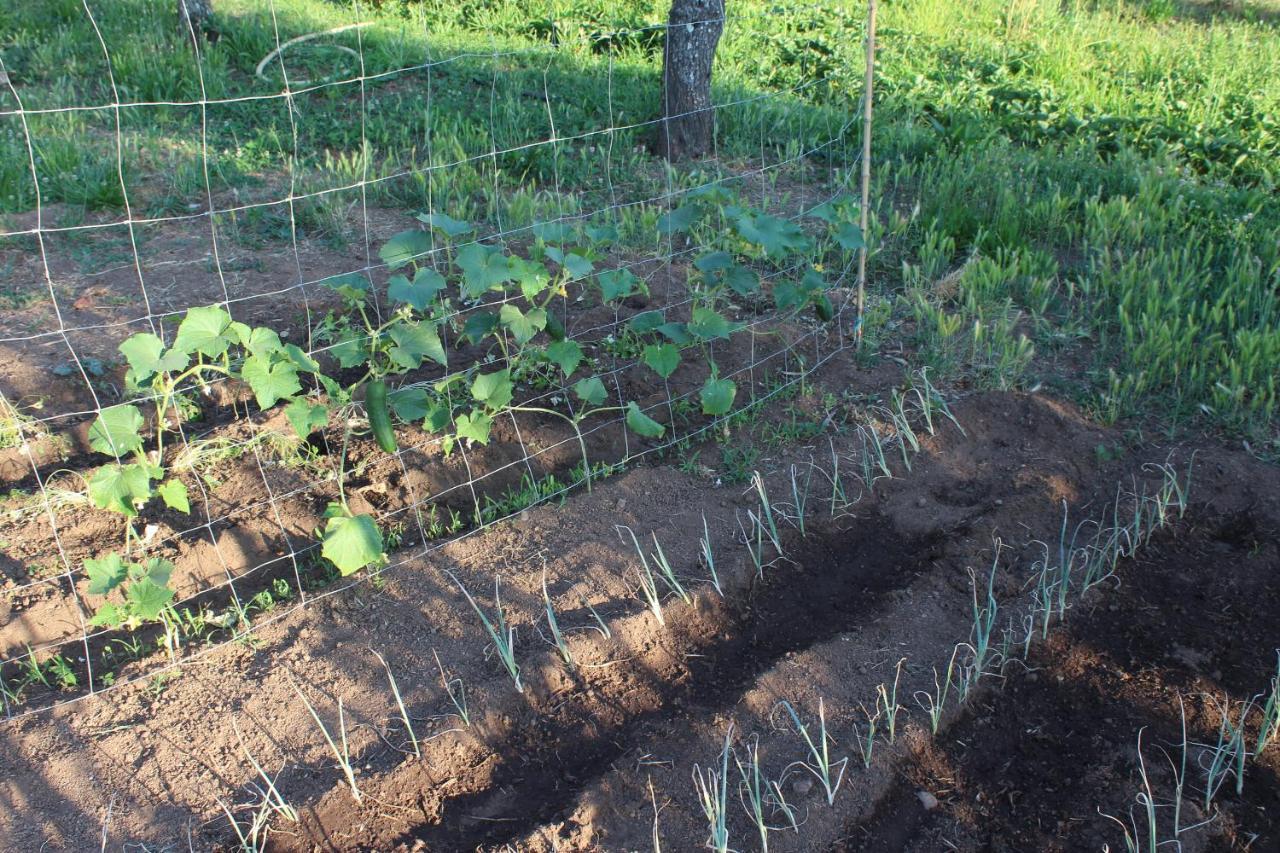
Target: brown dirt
(567,764)
(1036,765)
(583,758)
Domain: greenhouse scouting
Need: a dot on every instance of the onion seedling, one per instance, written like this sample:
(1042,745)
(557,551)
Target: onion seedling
(934,703)
(766,511)
(456,690)
(657,836)
(668,574)
(873,456)
(1269,728)
(984,617)
(271,795)
(344,754)
(601,625)
(713,796)
(755,546)
(648,583)
(708,557)
(902,425)
(800,496)
(753,792)
(1230,753)
(839,500)
(819,762)
(760,797)
(867,743)
(404,714)
(1146,799)
(254,838)
(557,635)
(934,400)
(502,634)
(887,702)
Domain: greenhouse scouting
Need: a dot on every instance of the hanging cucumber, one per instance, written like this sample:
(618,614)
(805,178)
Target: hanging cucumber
(375,403)
(822,305)
(554,327)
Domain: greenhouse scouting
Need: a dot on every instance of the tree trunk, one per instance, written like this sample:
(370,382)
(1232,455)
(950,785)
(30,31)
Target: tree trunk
(688,116)
(195,20)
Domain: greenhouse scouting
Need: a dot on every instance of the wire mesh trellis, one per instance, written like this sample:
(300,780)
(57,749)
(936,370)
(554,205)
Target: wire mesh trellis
(141,263)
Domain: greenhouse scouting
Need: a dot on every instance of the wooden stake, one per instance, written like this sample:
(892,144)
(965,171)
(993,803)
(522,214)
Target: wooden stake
(866,164)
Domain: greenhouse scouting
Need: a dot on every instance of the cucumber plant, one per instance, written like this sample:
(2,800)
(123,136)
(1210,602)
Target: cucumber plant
(209,346)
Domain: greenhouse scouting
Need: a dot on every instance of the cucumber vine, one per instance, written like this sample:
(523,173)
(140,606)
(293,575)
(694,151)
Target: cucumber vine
(437,296)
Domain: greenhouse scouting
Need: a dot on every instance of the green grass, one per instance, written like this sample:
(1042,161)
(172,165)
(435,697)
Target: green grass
(1072,194)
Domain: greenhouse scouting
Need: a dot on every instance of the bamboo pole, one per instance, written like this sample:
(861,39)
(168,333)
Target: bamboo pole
(866,165)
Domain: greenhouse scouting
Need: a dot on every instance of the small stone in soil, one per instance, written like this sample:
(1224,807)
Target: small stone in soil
(929,801)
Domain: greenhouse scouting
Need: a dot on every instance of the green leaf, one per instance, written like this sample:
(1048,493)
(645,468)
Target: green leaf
(305,416)
(271,379)
(831,210)
(591,390)
(474,427)
(532,276)
(479,324)
(577,266)
(602,234)
(146,356)
(522,326)
(677,333)
(642,424)
(404,247)
(299,357)
(713,262)
(849,236)
(108,615)
(713,194)
(483,268)
(410,404)
(446,224)
(646,321)
(493,389)
(117,431)
(415,341)
(263,341)
(743,281)
(680,219)
(352,286)
(437,416)
(662,359)
(787,296)
(619,284)
(204,330)
(174,495)
(105,574)
(777,237)
(813,283)
(351,542)
(553,232)
(147,599)
(717,395)
(707,324)
(418,293)
(351,348)
(121,487)
(566,354)
(157,569)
